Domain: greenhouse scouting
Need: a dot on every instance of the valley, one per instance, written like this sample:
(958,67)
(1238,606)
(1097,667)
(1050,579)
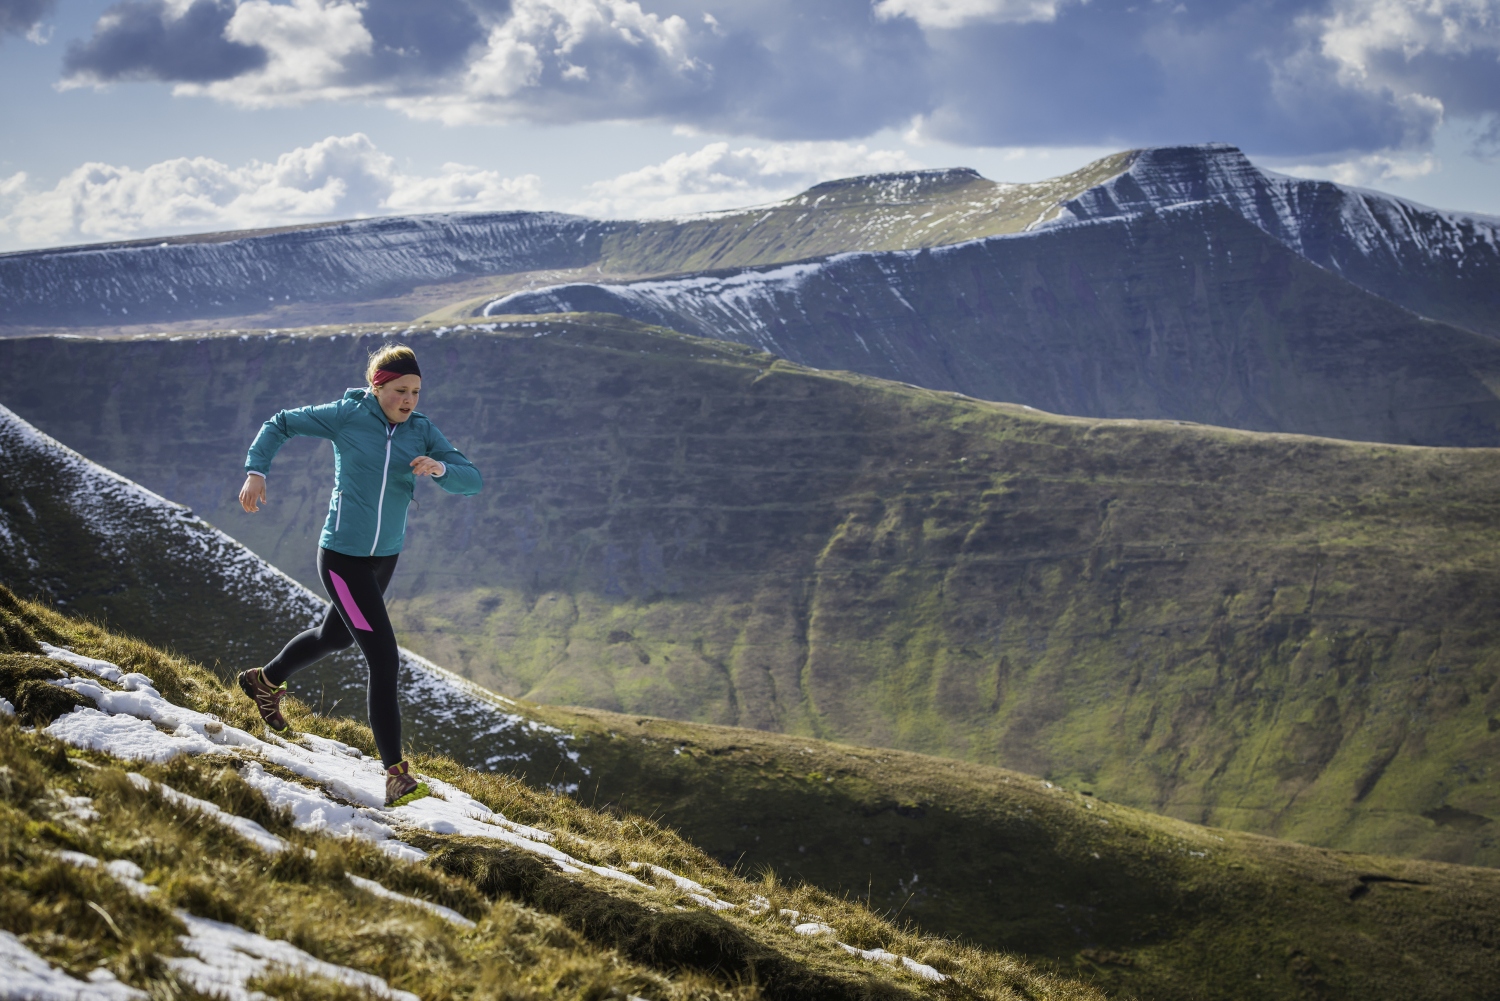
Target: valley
(1284,635)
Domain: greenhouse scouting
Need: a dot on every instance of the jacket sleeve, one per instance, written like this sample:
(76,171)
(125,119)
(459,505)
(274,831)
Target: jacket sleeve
(460,477)
(321,421)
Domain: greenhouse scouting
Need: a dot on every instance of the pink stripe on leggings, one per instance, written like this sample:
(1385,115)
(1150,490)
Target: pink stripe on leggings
(355,615)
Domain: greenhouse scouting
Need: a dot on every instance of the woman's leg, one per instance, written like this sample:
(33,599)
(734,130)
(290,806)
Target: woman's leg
(266,685)
(357,586)
(309,647)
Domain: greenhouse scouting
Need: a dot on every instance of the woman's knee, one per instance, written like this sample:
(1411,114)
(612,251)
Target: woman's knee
(337,639)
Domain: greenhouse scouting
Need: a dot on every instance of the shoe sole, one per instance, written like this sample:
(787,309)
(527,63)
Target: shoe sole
(420,792)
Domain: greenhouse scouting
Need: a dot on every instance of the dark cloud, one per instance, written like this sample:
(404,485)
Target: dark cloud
(1103,72)
(422,40)
(794,70)
(140,40)
(19,16)
(1155,73)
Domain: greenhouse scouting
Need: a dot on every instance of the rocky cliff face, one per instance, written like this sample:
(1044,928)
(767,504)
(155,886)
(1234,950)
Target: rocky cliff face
(1279,634)
(1445,265)
(1189,313)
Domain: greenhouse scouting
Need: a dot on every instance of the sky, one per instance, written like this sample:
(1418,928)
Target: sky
(141,118)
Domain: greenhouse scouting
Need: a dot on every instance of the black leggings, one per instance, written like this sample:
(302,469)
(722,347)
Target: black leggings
(357,586)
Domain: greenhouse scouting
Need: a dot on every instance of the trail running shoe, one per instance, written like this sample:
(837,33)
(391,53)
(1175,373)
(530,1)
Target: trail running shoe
(402,787)
(267,698)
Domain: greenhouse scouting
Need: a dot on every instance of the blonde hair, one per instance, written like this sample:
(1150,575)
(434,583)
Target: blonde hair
(383,358)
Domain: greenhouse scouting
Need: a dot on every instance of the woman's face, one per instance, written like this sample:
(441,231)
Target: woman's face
(398,398)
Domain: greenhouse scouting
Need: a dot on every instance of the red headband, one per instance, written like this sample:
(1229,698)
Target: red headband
(385,375)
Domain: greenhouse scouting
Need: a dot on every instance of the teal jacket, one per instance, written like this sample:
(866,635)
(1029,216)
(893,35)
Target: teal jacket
(372,477)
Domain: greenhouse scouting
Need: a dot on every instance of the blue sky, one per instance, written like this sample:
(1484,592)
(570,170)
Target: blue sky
(148,117)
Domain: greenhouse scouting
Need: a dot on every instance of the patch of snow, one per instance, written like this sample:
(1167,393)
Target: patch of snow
(814,928)
(25,976)
(124,736)
(225,957)
(446,913)
(892,959)
(102,668)
(243,826)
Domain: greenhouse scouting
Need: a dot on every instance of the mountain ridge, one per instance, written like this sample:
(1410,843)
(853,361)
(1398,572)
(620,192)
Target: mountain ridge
(390,257)
(1208,318)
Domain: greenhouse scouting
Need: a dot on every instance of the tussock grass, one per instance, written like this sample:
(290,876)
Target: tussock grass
(539,934)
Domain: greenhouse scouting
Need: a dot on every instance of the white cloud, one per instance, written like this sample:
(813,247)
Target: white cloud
(309,45)
(957,13)
(339,177)
(1370,170)
(718,177)
(1360,31)
(584,51)
(1430,55)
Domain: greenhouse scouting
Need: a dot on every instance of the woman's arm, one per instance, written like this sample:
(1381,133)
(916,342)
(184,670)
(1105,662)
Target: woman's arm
(459,475)
(321,421)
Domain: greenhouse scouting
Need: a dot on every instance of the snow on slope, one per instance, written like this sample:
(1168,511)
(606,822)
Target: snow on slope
(125,519)
(732,306)
(124,515)
(339,792)
(1440,264)
(203,276)
(1324,222)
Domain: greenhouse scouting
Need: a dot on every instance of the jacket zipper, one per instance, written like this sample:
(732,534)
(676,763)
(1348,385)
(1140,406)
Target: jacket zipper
(338,509)
(384,473)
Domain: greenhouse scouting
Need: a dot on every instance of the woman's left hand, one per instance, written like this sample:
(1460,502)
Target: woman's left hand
(424,465)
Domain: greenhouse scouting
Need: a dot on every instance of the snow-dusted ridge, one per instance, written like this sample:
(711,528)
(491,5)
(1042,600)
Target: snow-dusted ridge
(1327,223)
(1419,257)
(247,272)
(124,517)
(339,793)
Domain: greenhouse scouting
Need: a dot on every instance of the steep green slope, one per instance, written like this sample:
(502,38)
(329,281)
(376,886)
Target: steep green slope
(228,854)
(1277,634)
(1139,904)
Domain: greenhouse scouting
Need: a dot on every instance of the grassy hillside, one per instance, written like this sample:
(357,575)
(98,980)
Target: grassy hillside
(927,208)
(515,925)
(1285,635)
(1140,905)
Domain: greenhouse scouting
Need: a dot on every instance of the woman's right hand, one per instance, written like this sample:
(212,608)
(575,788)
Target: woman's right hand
(253,493)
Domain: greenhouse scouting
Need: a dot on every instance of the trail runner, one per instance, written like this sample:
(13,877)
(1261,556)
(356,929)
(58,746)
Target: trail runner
(381,444)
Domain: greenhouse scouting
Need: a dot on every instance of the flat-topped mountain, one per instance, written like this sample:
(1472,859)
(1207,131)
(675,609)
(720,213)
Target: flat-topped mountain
(1177,283)
(1444,265)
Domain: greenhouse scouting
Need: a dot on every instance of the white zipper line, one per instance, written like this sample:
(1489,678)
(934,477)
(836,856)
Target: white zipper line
(338,509)
(380,504)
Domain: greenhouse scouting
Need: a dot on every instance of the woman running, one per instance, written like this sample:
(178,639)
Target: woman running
(381,444)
